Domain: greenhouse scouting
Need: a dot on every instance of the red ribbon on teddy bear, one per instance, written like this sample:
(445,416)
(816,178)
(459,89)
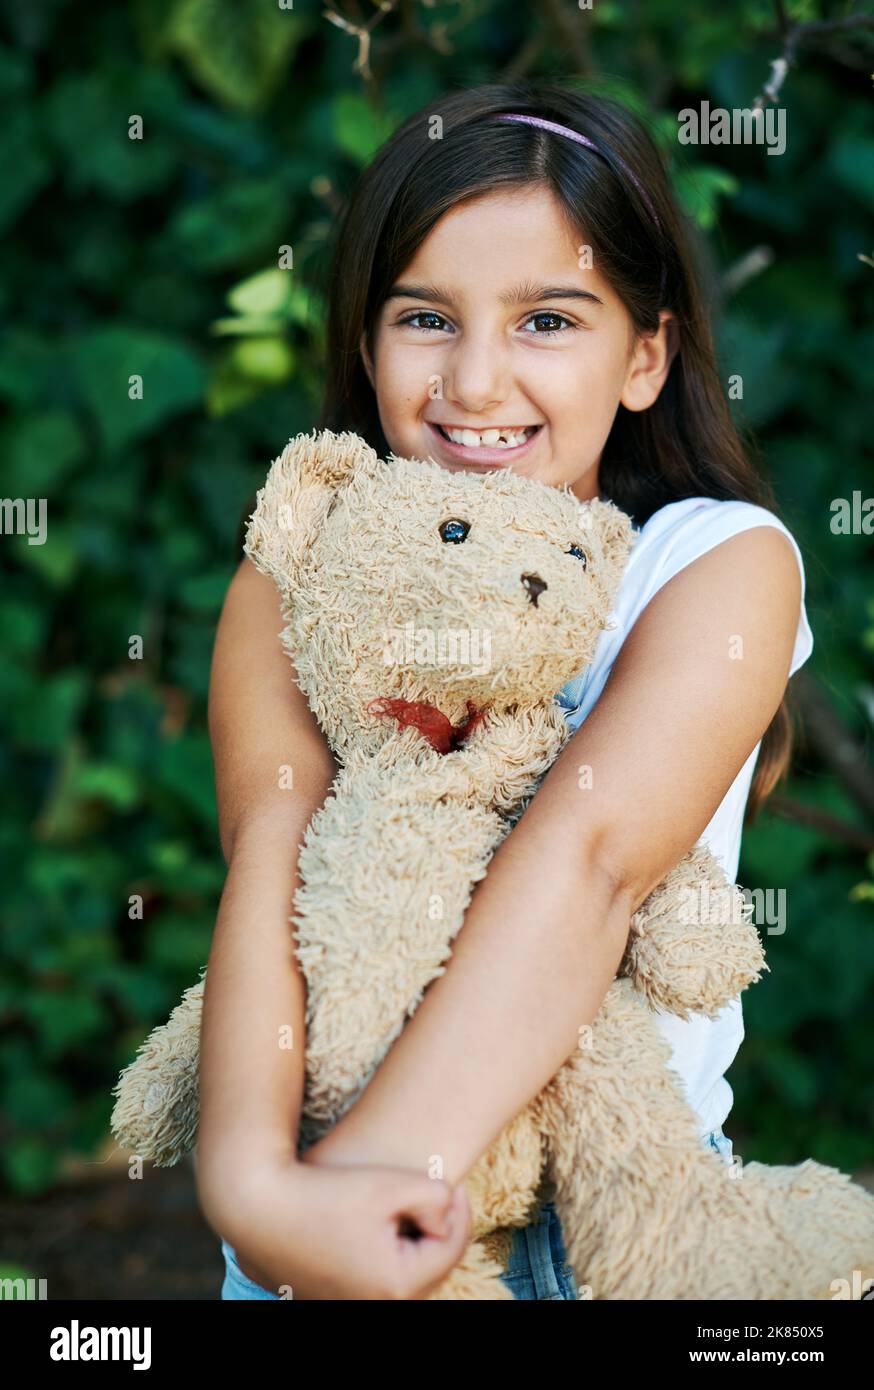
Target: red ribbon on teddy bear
(431,722)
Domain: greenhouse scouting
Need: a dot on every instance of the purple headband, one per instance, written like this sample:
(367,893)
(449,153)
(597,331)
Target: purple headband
(583,140)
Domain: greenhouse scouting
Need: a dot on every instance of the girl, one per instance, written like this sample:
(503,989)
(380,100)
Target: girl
(512,289)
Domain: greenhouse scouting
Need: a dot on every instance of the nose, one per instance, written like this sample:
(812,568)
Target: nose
(476,377)
(535,586)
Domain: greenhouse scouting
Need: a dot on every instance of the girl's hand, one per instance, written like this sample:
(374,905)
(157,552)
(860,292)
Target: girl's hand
(346,1233)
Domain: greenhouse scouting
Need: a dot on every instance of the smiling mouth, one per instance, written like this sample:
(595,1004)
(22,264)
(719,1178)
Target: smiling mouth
(495,437)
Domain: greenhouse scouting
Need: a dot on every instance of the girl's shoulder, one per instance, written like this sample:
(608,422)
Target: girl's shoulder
(683,531)
(701,517)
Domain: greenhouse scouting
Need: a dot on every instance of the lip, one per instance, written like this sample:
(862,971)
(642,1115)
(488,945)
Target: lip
(462,453)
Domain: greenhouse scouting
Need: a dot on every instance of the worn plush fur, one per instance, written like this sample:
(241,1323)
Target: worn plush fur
(389,863)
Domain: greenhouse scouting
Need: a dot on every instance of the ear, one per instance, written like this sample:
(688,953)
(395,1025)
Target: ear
(650,363)
(366,358)
(296,498)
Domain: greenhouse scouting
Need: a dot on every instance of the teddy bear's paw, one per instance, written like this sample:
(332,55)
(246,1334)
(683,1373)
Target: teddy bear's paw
(157,1108)
(503,1184)
(509,758)
(692,945)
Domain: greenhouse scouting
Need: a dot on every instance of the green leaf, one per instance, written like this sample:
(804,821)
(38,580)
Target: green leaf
(88,115)
(41,451)
(30,1164)
(65,1018)
(267,360)
(774,840)
(244,220)
(699,189)
(359,128)
(57,560)
(792,1075)
(50,714)
(23,626)
(172,374)
(204,593)
(185,767)
(117,786)
(229,389)
(851,160)
(266,293)
(237,52)
(13,1273)
(33,1098)
(756,353)
(25,164)
(28,365)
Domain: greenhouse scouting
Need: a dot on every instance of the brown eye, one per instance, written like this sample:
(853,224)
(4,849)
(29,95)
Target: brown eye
(580,554)
(454,531)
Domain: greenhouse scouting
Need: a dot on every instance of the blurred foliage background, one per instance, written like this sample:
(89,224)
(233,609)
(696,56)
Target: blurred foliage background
(160,257)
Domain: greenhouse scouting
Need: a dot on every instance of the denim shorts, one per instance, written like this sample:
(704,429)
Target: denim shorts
(537,1268)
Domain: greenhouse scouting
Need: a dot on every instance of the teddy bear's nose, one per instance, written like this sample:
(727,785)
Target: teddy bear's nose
(535,586)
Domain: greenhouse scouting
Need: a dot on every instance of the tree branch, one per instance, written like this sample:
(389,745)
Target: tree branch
(834,743)
(569,33)
(525,57)
(794,36)
(361,32)
(798,811)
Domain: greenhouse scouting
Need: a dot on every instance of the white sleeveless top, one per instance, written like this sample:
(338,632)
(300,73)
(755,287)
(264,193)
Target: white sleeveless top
(674,536)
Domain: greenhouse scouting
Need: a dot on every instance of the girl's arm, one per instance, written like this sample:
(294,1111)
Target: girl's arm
(329,1234)
(251,1085)
(547,927)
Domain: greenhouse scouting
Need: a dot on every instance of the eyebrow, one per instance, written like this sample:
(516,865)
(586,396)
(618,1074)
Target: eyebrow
(521,294)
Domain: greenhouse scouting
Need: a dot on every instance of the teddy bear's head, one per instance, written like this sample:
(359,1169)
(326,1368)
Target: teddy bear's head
(402,579)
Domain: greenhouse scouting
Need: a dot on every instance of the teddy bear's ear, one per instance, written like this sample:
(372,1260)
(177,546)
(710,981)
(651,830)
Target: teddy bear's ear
(295,499)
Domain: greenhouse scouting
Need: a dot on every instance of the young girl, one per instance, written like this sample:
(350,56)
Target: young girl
(512,289)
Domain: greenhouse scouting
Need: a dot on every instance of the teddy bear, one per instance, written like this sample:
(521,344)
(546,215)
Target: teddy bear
(431,617)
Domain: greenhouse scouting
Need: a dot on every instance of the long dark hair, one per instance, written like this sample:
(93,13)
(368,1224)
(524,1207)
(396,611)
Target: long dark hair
(685,444)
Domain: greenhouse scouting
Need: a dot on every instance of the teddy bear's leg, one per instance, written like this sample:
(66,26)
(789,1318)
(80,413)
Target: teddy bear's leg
(476,1276)
(648,1213)
(156,1111)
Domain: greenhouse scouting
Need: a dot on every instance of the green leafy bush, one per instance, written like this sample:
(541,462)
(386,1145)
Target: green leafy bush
(160,259)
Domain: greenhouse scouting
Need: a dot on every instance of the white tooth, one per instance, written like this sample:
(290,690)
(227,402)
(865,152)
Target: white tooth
(491,438)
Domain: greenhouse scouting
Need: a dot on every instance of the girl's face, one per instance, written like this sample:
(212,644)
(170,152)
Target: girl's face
(500,347)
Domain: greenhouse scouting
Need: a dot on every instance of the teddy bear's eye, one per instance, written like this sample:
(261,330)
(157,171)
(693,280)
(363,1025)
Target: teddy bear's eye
(454,530)
(580,554)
